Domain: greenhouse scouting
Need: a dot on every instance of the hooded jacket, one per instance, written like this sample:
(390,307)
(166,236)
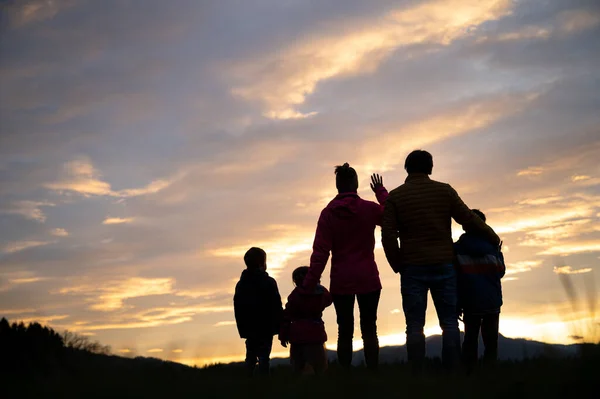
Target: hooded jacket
(346,230)
(302,317)
(480,267)
(257,305)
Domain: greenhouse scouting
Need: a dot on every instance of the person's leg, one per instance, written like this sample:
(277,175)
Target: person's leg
(469,347)
(414,303)
(316,360)
(297,357)
(344,310)
(489,333)
(443,287)
(251,356)
(367,306)
(263,351)
(319,356)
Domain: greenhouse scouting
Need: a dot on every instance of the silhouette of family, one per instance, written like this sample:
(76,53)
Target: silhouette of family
(415,219)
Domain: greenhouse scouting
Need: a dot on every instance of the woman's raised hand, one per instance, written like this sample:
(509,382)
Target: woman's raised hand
(376,181)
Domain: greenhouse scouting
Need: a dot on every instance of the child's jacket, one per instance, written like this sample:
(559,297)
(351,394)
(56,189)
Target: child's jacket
(302,317)
(480,267)
(257,305)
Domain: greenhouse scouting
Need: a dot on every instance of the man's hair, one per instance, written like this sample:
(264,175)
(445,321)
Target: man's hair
(346,178)
(299,274)
(419,161)
(479,213)
(255,258)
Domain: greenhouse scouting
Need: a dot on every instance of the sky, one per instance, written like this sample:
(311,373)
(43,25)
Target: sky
(146,145)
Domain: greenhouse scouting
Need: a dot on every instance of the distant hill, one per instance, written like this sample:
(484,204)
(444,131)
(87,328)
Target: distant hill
(508,349)
(37,362)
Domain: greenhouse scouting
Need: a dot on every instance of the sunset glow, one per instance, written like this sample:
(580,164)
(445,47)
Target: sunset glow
(145,147)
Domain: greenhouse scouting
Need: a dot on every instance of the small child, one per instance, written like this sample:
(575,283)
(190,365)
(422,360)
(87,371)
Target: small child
(480,267)
(303,325)
(258,310)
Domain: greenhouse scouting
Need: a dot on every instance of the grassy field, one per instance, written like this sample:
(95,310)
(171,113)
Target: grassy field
(95,377)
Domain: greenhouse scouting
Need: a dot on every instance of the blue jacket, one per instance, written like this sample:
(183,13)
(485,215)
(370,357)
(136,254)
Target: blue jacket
(480,266)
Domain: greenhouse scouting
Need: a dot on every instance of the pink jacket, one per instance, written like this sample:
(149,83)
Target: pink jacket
(302,317)
(346,229)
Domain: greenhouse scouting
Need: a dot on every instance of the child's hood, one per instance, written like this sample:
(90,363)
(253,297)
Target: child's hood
(249,274)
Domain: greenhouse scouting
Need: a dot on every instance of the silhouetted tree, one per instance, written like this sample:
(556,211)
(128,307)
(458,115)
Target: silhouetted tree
(83,343)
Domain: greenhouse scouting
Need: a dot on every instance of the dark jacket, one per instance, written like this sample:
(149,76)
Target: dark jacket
(420,213)
(480,267)
(303,314)
(257,305)
(346,229)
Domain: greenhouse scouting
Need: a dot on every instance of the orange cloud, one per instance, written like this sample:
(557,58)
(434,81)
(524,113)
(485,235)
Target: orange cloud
(117,220)
(289,241)
(284,79)
(17,246)
(28,209)
(58,232)
(82,178)
(569,270)
(111,296)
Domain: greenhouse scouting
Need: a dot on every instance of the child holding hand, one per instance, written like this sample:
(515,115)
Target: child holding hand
(303,326)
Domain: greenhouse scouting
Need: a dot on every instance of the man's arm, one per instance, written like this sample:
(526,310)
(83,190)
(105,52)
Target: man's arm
(389,236)
(463,216)
(320,255)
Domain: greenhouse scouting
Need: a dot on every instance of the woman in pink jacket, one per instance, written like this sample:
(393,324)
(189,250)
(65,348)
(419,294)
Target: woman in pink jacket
(346,229)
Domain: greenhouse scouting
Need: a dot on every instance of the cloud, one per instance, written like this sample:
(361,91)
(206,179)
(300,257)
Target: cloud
(42,319)
(569,270)
(225,323)
(26,280)
(29,209)
(289,242)
(567,22)
(59,232)
(117,220)
(522,266)
(531,171)
(25,12)
(283,80)
(580,178)
(209,175)
(18,246)
(573,248)
(153,317)
(112,295)
(155,350)
(17,311)
(82,178)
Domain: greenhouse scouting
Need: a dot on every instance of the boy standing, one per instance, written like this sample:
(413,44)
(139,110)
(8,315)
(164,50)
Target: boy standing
(480,267)
(258,310)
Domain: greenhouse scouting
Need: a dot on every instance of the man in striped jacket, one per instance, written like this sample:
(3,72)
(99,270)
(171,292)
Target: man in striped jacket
(420,214)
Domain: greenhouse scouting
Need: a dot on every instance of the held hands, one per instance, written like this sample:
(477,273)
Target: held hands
(376,181)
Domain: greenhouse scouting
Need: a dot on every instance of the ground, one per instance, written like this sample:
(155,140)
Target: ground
(576,377)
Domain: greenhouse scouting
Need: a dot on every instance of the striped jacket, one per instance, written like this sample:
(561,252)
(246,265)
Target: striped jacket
(480,266)
(420,213)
